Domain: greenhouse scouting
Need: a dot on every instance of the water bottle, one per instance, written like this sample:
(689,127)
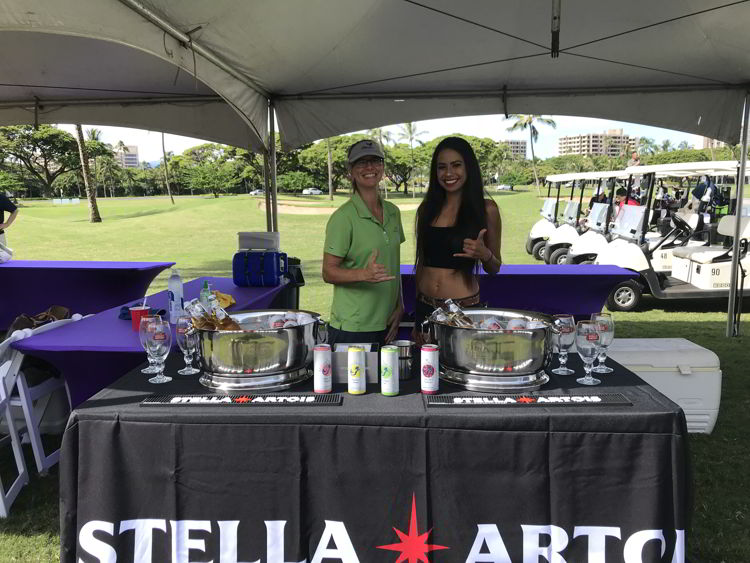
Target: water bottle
(204,294)
(174,290)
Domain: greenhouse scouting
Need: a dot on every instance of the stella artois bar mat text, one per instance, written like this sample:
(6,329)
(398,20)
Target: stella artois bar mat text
(244,400)
(604,399)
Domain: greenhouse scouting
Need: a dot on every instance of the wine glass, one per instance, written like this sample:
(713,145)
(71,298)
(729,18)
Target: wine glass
(563,339)
(587,343)
(146,320)
(158,343)
(605,325)
(187,340)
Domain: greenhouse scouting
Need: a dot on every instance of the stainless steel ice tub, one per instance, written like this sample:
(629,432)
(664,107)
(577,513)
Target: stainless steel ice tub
(258,357)
(495,360)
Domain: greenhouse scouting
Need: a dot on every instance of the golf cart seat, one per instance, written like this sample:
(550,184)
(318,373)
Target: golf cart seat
(571,213)
(715,253)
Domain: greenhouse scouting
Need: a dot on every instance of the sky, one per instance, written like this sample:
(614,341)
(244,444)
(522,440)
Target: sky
(492,126)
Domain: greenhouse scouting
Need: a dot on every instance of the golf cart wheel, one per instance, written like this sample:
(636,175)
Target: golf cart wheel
(626,296)
(537,250)
(529,245)
(559,256)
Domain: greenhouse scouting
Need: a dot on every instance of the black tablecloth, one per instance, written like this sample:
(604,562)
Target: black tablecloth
(331,483)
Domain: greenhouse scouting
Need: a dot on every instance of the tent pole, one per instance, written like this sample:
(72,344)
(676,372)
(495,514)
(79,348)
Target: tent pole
(272,165)
(267,190)
(731,329)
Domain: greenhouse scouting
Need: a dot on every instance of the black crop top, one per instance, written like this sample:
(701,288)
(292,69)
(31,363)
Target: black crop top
(441,243)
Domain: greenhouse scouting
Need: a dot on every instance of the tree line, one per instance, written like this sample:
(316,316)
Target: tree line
(46,162)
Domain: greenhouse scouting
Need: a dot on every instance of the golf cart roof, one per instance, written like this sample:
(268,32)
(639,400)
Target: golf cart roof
(596,175)
(711,167)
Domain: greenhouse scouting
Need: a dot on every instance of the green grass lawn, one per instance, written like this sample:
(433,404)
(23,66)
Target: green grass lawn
(200,234)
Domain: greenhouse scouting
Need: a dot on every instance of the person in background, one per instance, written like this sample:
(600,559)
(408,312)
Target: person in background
(6,205)
(361,256)
(457,228)
(599,197)
(622,199)
(635,160)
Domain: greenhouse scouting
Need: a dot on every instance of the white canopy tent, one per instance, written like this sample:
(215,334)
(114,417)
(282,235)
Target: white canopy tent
(334,66)
(325,67)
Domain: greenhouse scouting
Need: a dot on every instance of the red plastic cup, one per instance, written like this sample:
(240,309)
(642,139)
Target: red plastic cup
(135,316)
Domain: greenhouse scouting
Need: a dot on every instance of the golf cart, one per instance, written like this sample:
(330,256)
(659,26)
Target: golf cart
(699,271)
(544,227)
(595,239)
(652,228)
(573,226)
(568,230)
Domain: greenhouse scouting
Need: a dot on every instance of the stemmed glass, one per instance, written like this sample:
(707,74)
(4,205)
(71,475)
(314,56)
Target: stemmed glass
(587,343)
(158,344)
(563,340)
(187,340)
(143,329)
(605,325)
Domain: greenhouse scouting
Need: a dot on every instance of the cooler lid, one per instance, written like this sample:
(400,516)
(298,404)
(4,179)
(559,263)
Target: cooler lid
(662,353)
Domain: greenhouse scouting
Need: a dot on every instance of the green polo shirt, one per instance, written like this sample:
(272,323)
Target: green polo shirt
(352,233)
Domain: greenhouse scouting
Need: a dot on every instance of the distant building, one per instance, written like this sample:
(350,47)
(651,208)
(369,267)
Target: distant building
(610,143)
(517,148)
(128,158)
(712,143)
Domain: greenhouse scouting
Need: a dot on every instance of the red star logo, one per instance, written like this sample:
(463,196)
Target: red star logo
(243,399)
(413,547)
(525,400)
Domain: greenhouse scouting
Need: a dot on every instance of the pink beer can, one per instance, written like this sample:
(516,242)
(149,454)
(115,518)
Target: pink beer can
(322,371)
(430,372)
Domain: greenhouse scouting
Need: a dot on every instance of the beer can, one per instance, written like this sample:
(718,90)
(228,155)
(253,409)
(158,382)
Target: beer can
(389,371)
(430,372)
(322,380)
(357,378)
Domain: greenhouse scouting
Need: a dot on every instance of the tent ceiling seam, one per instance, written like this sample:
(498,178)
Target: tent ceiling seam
(642,67)
(186,100)
(641,28)
(85,89)
(414,75)
(613,90)
(465,20)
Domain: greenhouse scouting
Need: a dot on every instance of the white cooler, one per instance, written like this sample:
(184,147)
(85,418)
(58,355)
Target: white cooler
(683,371)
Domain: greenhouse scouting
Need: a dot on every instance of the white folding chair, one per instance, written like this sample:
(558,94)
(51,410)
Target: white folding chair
(8,357)
(33,400)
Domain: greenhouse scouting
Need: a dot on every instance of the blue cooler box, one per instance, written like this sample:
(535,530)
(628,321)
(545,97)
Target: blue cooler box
(259,268)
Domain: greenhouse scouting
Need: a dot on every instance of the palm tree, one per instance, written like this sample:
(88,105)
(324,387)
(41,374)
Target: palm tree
(683,146)
(666,145)
(166,168)
(330,169)
(384,136)
(410,132)
(647,146)
(523,122)
(95,134)
(94,216)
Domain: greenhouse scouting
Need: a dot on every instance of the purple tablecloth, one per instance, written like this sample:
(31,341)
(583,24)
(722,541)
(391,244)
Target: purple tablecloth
(96,351)
(32,286)
(576,289)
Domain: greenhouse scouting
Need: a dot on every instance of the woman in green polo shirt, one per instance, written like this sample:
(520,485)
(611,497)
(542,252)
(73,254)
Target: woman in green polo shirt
(361,256)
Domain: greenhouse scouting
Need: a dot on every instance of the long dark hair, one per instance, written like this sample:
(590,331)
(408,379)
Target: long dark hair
(472,216)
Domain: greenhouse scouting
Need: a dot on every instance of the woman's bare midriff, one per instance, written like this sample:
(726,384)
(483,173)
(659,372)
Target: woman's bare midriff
(443,283)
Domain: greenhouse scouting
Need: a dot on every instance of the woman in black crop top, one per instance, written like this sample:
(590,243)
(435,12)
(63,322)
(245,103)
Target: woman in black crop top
(456,228)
